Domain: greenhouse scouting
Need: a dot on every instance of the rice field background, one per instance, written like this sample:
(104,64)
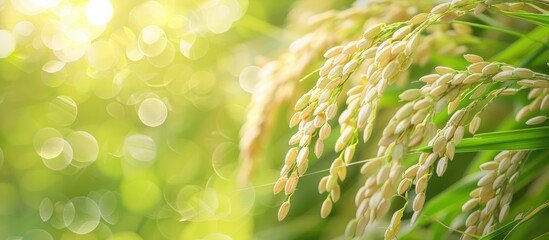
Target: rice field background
(242,119)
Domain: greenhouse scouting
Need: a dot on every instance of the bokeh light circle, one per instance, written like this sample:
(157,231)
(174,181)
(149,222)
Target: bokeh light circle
(152,112)
(249,77)
(152,40)
(140,147)
(81,215)
(7,43)
(56,153)
(46,209)
(63,110)
(84,146)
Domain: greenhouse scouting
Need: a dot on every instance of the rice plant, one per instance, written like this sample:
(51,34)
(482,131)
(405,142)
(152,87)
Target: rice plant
(247,119)
(407,92)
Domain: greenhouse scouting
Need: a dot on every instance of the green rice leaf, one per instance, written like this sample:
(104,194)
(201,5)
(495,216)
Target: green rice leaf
(538,19)
(521,47)
(542,236)
(522,139)
(503,232)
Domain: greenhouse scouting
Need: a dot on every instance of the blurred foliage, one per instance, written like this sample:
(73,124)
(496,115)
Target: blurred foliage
(121,120)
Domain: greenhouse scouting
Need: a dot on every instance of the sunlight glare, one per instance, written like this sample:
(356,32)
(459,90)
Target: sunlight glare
(99,12)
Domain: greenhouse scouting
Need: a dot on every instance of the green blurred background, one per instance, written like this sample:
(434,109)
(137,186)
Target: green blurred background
(120,119)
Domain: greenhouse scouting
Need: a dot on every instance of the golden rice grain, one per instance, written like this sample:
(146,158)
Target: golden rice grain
(473,78)
(491,205)
(335,194)
(369,53)
(534,105)
(283,210)
(404,111)
(477,67)
(489,166)
(470,204)
(475,193)
(421,184)
(409,95)
(291,184)
(504,211)
(364,43)
(536,120)
(291,156)
(441,166)
(279,185)
(419,18)
(285,170)
(324,132)
(390,70)
(509,92)
(472,219)
(439,145)
(383,55)
(431,78)
(444,78)
(331,111)
(498,182)
(438,9)
(439,90)
(351,228)
(443,70)
(490,69)
(336,72)
(382,208)
(348,154)
(475,124)
(398,48)
(326,208)
(458,78)
(305,140)
(322,185)
(412,44)
(342,173)
(418,117)
(402,32)
(383,174)
(373,30)
(336,165)
(350,66)
(404,185)
(302,102)
(479,91)
(349,48)
(419,201)
(331,182)
(544,103)
(486,179)
(458,134)
(523,72)
(502,76)
(504,164)
(522,113)
(472,58)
